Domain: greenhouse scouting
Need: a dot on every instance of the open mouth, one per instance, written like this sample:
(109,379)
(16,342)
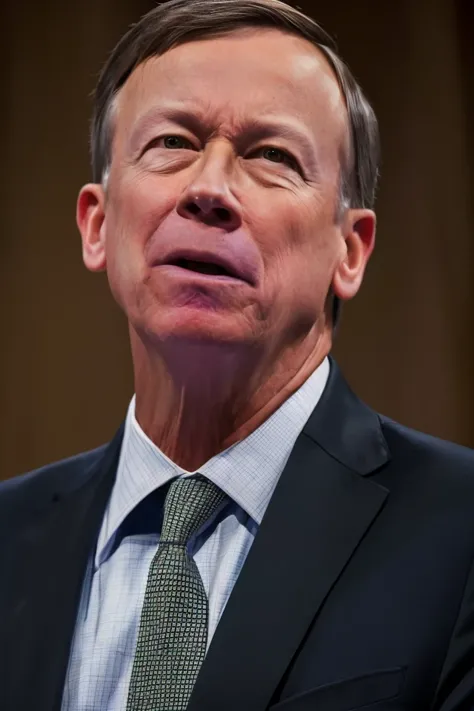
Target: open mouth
(203,267)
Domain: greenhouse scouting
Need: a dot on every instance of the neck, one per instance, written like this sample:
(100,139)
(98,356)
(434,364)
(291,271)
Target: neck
(193,400)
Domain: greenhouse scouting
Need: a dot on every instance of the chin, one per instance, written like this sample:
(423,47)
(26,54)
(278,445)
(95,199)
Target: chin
(190,325)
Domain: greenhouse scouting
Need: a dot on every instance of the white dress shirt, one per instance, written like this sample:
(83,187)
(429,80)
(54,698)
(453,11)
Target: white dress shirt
(108,618)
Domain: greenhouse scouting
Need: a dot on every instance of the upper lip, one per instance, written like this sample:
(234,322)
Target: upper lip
(233,263)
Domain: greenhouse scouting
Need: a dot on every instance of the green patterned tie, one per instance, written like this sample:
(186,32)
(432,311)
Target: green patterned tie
(172,638)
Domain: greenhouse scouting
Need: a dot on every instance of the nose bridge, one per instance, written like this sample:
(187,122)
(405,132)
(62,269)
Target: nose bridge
(215,170)
(209,196)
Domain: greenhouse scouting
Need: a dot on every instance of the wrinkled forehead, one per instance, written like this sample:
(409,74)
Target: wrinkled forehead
(238,77)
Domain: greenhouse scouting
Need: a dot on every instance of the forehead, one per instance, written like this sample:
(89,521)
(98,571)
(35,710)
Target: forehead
(247,74)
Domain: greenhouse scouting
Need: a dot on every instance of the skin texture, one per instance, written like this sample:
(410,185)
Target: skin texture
(190,168)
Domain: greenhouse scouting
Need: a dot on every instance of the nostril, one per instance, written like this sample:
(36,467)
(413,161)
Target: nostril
(195,209)
(222,214)
(207,210)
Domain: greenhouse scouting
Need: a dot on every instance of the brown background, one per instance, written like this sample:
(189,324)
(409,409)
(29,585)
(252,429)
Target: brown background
(406,343)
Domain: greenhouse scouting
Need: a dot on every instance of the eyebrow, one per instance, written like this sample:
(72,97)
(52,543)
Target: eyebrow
(253,129)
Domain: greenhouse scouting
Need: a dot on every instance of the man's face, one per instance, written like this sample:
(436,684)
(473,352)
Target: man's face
(226,152)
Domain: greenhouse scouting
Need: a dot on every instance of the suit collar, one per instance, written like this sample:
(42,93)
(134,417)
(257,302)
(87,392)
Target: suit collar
(346,428)
(143,467)
(321,510)
(52,548)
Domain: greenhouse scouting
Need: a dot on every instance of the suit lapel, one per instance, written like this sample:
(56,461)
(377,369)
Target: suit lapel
(54,547)
(319,512)
(321,509)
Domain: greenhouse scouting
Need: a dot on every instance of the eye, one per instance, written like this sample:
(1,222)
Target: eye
(278,155)
(170,142)
(175,141)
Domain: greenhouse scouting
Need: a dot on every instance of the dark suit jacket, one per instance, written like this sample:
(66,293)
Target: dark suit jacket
(358,591)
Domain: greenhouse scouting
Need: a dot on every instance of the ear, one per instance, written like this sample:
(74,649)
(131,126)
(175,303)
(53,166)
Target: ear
(90,217)
(358,231)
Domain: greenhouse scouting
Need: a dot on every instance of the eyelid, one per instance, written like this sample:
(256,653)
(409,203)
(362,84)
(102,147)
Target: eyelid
(262,147)
(292,158)
(162,136)
(287,152)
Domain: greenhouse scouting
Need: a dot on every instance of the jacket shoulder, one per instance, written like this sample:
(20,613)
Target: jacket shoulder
(419,452)
(58,477)
(400,435)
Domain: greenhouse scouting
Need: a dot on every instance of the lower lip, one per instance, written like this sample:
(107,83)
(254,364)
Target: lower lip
(189,275)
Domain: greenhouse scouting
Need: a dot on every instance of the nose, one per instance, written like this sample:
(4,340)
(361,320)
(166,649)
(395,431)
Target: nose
(209,200)
(209,209)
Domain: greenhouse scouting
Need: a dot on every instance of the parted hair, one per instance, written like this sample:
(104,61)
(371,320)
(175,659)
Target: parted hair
(179,21)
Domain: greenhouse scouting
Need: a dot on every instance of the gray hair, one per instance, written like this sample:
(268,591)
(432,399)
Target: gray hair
(179,21)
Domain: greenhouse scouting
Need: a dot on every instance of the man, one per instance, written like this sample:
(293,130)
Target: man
(254,537)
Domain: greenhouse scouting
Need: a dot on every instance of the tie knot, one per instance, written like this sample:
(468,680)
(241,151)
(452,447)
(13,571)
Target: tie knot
(190,502)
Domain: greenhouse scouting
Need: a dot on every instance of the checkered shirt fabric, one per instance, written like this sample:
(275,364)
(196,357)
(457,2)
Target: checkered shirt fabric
(173,630)
(108,616)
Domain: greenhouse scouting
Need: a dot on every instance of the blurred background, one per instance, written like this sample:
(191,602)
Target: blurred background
(406,343)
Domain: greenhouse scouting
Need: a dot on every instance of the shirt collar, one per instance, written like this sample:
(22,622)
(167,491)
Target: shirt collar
(247,472)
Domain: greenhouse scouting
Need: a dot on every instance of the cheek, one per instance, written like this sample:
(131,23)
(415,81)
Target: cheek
(136,209)
(127,224)
(300,256)
(138,206)
(300,245)
(317,264)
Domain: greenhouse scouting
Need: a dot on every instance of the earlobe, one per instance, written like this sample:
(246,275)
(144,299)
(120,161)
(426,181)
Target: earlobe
(90,217)
(359,238)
